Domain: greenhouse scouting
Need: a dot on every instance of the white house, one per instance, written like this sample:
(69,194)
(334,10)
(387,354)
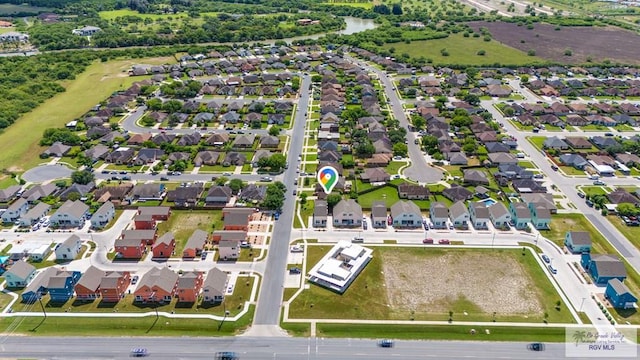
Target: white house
(20,274)
(228,250)
(69,249)
(86,31)
(499,215)
(70,214)
(340,266)
(35,214)
(14,37)
(103,215)
(439,214)
(15,210)
(479,215)
(40,253)
(459,215)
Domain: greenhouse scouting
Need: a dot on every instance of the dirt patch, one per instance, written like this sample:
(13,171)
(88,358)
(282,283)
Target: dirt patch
(597,43)
(465,281)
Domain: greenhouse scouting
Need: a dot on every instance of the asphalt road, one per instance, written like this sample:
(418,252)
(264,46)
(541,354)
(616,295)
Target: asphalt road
(419,170)
(265,348)
(270,297)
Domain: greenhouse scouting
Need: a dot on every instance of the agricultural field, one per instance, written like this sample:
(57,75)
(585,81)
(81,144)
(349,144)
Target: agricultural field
(551,42)
(454,281)
(463,50)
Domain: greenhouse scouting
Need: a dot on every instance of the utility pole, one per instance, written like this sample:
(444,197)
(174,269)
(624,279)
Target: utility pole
(224,305)
(42,306)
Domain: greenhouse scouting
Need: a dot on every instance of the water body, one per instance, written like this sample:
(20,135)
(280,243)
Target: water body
(354,25)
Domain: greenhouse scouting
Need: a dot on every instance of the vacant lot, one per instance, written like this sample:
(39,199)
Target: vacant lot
(89,88)
(402,283)
(495,283)
(597,43)
(463,50)
(183,223)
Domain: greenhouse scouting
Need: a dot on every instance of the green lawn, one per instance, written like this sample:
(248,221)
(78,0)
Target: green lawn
(527,164)
(394,166)
(387,194)
(537,141)
(593,190)
(88,89)
(306,210)
(570,170)
(632,233)
(364,5)
(560,224)
(463,51)
(183,222)
(112,14)
(147,326)
(366,298)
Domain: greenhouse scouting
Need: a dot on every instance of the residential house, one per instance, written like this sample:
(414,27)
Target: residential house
(185,196)
(57,149)
(228,250)
(9,193)
(439,214)
(457,193)
(217,139)
(39,191)
(269,141)
(15,211)
(88,286)
(188,286)
(35,214)
(475,177)
(520,215)
(540,215)
(78,191)
(157,285)
(120,156)
(479,215)
(413,192)
(148,235)
(209,158)
(222,235)
(320,213)
(234,158)
(157,213)
(578,142)
(499,215)
(19,274)
(105,213)
(148,156)
(544,199)
(218,195)
(375,175)
(58,283)
(406,214)
(379,215)
(86,31)
(555,142)
(13,37)
(70,214)
(347,213)
(619,295)
(115,194)
(574,160)
(459,215)
(502,158)
(195,244)
(603,268)
(214,286)
(253,193)
(163,247)
(620,196)
(237,218)
(578,242)
(130,248)
(113,285)
(69,249)
(138,139)
(244,141)
(147,192)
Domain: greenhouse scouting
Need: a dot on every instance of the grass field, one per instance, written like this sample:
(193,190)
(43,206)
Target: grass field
(88,89)
(463,51)
(182,223)
(7,9)
(364,5)
(147,326)
(112,14)
(373,296)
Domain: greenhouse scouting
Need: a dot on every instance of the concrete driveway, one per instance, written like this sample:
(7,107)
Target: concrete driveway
(44,173)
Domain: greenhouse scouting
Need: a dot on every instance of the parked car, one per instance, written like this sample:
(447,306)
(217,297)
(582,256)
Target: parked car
(134,279)
(546,259)
(444,242)
(203,256)
(364,225)
(245,244)
(385,343)
(599,183)
(296,249)
(427,241)
(589,203)
(226,174)
(552,269)
(357,239)
(582,195)
(554,168)
(295,270)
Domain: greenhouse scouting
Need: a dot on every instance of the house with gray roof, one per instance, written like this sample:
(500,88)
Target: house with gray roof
(574,160)
(17,209)
(253,193)
(35,214)
(57,149)
(479,215)
(347,213)
(555,142)
(39,191)
(475,177)
(499,215)
(540,215)
(209,158)
(578,242)
(195,244)
(459,215)
(244,141)
(19,274)
(320,214)
(214,286)
(543,199)
(79,190)
(439,214)
(218,194)
(70,214)
(406,214)
(105,213)
(457,193)
(185,196)
(502,158)
(69,249)
(9,193)
(157,285)
(520,214)
(379,214)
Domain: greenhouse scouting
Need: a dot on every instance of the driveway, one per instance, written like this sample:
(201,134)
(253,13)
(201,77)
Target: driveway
(44,173)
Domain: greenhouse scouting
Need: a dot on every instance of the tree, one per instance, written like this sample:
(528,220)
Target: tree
(400,149)
(303,198)
(274,198)
(418,121)
(82,177)
(396,9)
(236,185)
(221,180)
(472,99)
(274,131)
(333,200)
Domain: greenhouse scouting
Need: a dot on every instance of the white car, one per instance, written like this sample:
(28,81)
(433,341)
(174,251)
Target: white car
(297,249)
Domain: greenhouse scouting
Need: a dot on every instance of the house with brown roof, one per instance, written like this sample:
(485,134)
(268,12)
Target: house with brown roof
(457,193)
(115,194)
(375,175)
(578,142)
(235,235)
(206,158)
(113,285)
(157,213)
(413,192)
(620,195)
(138,139)
(475,177)
(157,285)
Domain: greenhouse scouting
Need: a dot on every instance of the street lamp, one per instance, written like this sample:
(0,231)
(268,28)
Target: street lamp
(537,236)
(582,303)
(493,239)
(224,307)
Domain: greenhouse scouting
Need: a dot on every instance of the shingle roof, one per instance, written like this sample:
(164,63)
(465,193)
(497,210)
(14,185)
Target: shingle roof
(580,237)
(402,207)
(21,269)
(162,277)
(609,266)
(91,278)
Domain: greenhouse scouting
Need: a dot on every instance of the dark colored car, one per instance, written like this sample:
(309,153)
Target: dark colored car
(546,259)
(554,168)
(295,270)
(164,179)
(385,343)
(444,242)
(139,352)
(226,355)
(427,241)
(536,347)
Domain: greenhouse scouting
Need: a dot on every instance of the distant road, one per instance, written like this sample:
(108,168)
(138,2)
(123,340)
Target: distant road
(174,348)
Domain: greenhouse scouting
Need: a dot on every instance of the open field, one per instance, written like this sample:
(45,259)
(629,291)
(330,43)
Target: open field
(583,41)
(112,14)
(364,5)
(88,89)
(390,289)
(182,223)
(8,9)
(147,326)
(464,51)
